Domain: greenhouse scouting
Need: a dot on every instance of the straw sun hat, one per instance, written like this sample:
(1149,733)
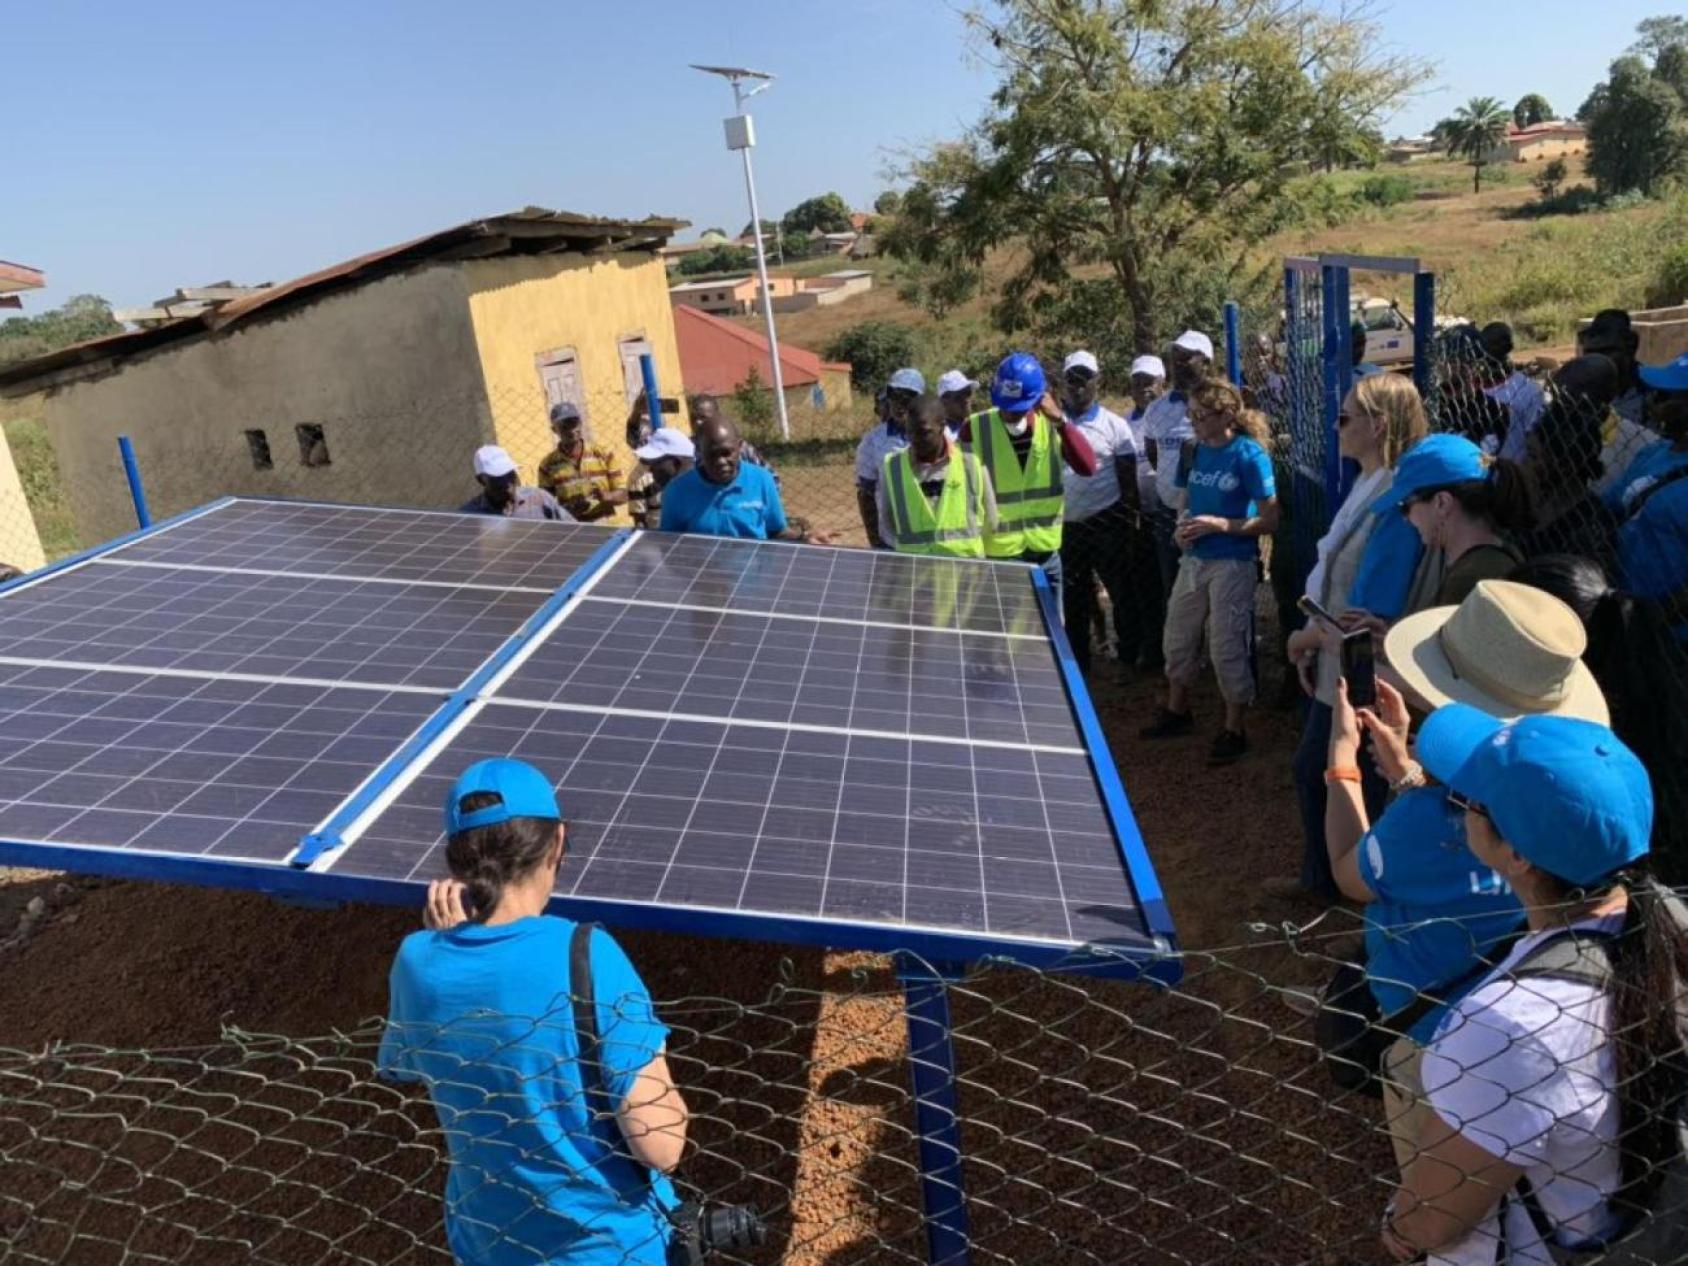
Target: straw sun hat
(1510,649)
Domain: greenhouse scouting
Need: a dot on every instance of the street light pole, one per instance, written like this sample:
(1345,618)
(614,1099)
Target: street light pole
(741,135)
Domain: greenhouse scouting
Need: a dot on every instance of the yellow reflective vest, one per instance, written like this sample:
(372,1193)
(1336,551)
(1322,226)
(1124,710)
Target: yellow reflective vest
(955,526)
(1028,498)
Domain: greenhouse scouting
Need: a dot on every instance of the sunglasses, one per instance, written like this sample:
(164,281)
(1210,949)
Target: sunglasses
(1467,805)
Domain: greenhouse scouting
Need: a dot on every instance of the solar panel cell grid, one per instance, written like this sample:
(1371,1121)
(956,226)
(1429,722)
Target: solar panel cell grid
(185,765)
(988,841)
(839,584)
(236,622)
(803,672)
(359,541)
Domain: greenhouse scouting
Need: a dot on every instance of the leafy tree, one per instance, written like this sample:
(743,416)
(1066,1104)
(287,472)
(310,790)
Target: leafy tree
(1658,34)
(1155,144)
(79,318)
(1532,108)
(1671,68)
(1550,178)
(827,212)
(888,203)
(1442,134)
(717,259)
(1634,138)
(1479,126)
(874,349)
(769,227)
(753,402)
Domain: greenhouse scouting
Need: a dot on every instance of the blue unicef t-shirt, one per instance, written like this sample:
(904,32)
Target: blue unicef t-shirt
(482,1016)
(1653,545)
(749,507)
(1438,908)
(1226,482)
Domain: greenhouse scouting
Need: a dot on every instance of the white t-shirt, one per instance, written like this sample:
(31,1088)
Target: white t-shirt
(872,451)
(1525,404)
(1526,1070)
(1145,472)
(1166,422)
(1110,438)
(1356,503)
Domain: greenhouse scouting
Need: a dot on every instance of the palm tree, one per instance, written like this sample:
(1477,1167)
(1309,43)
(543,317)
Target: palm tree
(1476,128)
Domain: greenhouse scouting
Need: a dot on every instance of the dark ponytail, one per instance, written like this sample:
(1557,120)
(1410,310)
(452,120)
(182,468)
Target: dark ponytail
(1502,498)
(1649,971)
(487,858)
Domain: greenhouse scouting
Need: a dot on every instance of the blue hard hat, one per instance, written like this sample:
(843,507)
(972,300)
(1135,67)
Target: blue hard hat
(522,791)
(1018,384)
(1567,794)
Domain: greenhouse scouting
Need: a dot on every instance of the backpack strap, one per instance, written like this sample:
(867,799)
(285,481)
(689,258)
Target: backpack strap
(592,1079)
(1400,1021)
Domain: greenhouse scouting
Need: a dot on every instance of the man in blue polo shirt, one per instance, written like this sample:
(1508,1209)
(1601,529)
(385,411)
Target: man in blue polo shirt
(724,495)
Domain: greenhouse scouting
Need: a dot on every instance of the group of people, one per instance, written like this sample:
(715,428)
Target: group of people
(1519,580)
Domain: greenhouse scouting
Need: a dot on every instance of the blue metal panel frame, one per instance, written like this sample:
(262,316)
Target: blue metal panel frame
(328,837)
(1134,854)
(653,400)
(117,542)
(937,1117)
(132,471)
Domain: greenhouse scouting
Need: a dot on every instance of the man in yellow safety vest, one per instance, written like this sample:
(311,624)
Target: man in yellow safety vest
(933,498)
(1024,443)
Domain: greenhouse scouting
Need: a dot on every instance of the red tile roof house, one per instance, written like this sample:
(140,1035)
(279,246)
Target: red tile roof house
(718,356)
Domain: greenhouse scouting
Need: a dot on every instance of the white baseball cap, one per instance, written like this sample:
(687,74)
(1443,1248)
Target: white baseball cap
(493,462)
(1081,360)
(1150,365)
(665,441)
(955,380)
(1195,341)
(908,380)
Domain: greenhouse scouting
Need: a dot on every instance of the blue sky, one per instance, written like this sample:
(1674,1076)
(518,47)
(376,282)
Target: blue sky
(153,146)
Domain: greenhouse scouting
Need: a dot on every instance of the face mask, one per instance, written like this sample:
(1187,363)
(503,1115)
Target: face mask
(1019,428)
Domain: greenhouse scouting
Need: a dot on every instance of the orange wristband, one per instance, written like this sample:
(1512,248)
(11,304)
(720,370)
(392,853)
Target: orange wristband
(1341,773)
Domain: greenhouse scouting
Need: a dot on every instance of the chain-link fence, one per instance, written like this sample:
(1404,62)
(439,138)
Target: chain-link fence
(1101,1122)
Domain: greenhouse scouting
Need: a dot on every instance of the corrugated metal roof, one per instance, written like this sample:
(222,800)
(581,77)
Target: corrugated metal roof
(530,231)
(717,355)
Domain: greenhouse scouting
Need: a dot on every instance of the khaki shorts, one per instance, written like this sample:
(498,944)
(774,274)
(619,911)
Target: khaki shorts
(1215,595)
(1406,1111)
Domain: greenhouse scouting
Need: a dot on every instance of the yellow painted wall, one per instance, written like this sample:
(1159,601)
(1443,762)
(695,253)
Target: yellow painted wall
(20,542)
(388,369)
(523,306)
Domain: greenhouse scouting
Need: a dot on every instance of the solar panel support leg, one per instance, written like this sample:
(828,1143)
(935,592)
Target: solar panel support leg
(132,469)
(931,1056)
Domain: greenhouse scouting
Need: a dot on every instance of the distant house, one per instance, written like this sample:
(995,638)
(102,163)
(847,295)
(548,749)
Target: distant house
(1413,149)
(719,357)
(1556,138)
(741,296)
(373,380)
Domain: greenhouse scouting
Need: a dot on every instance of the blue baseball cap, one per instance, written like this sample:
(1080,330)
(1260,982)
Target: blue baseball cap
(1018,384)
(522,790)
(1434,462)
(1566,794)
(1671,377)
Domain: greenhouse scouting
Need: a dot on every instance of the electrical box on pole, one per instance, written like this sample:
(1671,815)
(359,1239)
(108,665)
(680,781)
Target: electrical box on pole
(741,132)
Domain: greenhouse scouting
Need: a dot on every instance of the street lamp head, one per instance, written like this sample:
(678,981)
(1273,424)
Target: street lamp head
(732,72)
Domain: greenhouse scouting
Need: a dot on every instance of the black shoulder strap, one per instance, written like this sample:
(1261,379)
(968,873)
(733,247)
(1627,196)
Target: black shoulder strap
(1657,486)
(586,1019)
(1427,1001)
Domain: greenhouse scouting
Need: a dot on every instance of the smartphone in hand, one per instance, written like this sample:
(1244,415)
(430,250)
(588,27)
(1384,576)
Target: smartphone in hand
(1359,668)
(1313,611)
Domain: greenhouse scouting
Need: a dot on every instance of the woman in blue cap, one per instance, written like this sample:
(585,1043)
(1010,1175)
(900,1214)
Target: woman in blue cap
(482,1013)
(1466,507)
(1572,1043)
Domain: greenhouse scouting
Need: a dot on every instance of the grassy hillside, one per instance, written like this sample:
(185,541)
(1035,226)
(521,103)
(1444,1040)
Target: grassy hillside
(1494,259)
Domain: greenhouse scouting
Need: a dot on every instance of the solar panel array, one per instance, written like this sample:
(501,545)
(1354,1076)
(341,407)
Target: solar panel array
(836,745)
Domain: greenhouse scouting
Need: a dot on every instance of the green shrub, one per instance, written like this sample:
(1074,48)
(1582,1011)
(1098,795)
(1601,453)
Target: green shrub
(1669,285)
(1387,191)
(874,349)
(43,490)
